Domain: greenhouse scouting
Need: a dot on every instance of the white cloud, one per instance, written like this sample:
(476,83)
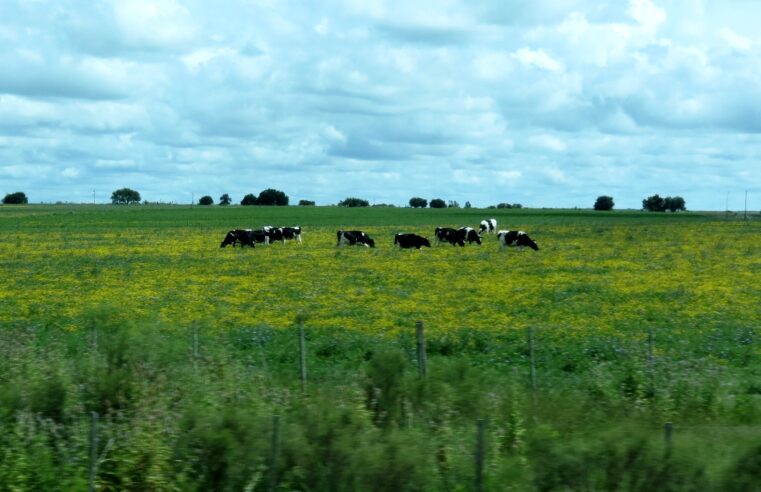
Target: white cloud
(647,14)
(736,41)
(462,177)
(537,59)
(548,142)
(168,96)
(508,177)
(493,66)
(70,172)
(154,23)
(202,56)
(322,27)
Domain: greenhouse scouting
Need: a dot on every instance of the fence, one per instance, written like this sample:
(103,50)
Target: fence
(481,426)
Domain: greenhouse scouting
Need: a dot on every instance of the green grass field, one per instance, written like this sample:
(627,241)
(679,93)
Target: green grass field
(100,304)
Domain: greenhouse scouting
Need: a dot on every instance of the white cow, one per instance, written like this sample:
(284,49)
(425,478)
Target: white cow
(488,226)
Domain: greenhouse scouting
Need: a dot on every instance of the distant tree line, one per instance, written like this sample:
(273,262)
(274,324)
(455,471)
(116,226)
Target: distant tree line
(656,203)
(266,197)
(269,196)
(353,202)
(208,200)
(417,202)
(508,205)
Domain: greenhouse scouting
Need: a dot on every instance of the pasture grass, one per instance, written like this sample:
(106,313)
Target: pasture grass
(100,304)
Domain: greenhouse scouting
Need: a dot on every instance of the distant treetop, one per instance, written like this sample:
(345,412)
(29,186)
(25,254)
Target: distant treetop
(17,198)
(417,202)
(125,196)
(656,203)
(271,196)
(604,203)
(353,202)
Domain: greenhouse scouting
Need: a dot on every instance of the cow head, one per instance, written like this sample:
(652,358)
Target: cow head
(230,238)
(524,240)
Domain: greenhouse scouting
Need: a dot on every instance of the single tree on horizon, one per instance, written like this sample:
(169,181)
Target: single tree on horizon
(604,203)
(417,202)
(17,198)
(125,196)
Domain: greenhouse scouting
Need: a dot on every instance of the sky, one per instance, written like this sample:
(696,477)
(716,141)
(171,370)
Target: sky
(546,103)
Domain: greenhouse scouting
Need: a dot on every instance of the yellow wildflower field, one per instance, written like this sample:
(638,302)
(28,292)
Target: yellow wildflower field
(618,275)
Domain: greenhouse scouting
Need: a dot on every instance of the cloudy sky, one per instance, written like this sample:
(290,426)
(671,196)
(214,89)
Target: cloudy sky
(546,103)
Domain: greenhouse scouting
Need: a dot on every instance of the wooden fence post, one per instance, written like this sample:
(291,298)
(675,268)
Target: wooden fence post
(275,452)
(532,358)
(93,465)
(302,357)
(421,355)
(479,455)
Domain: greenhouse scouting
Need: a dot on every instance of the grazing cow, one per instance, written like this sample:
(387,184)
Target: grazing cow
(447,234)
(354,237)
(411,241)
(292,233)
(515,238)
(231,238)
(488,226)
(283,233)
(457,236)
(468,234)
(274,233)
(246,237)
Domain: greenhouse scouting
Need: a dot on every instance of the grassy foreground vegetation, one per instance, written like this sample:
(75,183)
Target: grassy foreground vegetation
(100,305)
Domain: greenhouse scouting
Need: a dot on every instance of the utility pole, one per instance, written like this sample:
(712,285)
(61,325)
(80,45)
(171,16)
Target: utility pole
(745,214)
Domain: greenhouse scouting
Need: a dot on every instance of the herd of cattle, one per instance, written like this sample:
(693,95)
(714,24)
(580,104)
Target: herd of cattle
(455,237)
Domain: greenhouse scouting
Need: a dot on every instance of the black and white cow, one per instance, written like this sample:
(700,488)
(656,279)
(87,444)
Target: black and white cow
(283,233)
(457,236)
(488,226)
(354,237)
(234,237)
(446,235)
(411,241)
(244,237)
(515,238)
(292,233)
(469,234)
(273,234)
